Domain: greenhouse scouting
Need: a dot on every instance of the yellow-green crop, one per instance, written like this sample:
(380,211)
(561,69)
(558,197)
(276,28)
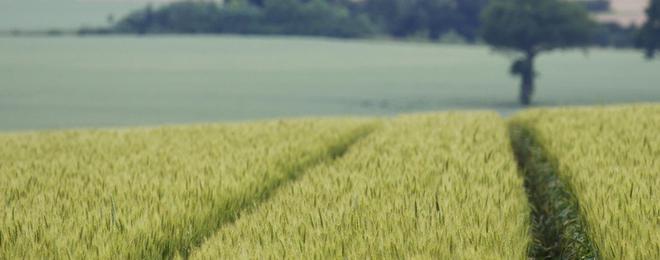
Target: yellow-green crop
(610,160)
(439,186)
(147,193)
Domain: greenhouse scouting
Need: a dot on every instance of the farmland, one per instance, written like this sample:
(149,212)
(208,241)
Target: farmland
(48,83)
(438,186)
(214,130)
(147,193)
(608,158)
(546,183)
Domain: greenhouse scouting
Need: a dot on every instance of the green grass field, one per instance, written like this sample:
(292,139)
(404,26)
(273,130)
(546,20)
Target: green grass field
(48,83)
(438,185)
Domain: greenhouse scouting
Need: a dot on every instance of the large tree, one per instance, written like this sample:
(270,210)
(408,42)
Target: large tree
(530,27)
(649,35)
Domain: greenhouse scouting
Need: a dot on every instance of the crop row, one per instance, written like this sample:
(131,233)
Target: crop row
(148,193)
(440,186)
(609,159)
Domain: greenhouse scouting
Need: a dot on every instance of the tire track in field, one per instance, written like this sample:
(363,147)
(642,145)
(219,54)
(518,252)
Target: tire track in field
(558,230)
(248,204)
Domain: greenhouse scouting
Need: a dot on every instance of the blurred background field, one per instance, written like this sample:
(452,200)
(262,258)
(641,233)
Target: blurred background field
(66,82)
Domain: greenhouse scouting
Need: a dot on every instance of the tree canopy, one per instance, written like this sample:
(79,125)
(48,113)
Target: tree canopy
(535,26)
(430,19)
(401,18)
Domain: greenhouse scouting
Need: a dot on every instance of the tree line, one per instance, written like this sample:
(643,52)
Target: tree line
(334,18)
(427,19)
(288,17)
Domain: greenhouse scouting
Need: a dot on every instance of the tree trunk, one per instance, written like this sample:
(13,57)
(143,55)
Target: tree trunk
(527,84)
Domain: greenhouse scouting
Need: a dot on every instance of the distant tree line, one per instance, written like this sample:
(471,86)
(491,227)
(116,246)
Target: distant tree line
(294,17)
(334,18)
(430,19)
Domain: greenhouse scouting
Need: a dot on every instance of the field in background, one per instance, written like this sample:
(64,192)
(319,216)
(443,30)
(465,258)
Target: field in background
(50,83)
